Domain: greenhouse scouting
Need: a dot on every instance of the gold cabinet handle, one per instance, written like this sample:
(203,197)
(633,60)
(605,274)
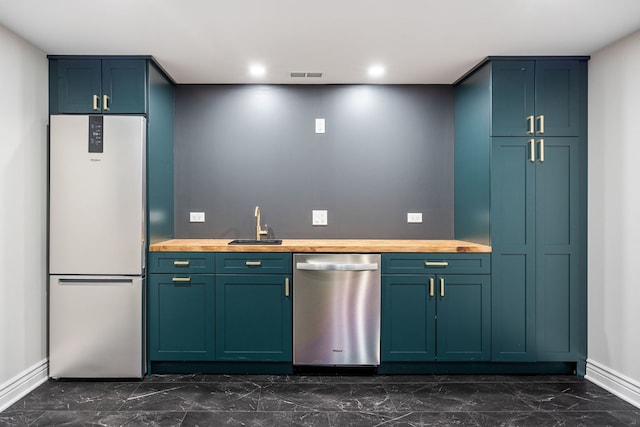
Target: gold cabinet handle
(541,143)
(442,286)
(436,263)
(286,287)
(532,151)
(181,279)
(105,103)
(541,122)
(178,263)
(253,263)
(96,99)
(431,283)
(530,128)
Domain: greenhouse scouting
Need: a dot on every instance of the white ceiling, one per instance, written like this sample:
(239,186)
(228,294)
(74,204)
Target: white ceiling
(418,41)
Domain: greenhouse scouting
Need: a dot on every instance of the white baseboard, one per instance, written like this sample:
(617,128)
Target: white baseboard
(613,381)
(23,383)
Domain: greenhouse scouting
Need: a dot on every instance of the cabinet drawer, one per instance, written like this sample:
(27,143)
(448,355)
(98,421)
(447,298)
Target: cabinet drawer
(181,262)
(436,263)
(253,262)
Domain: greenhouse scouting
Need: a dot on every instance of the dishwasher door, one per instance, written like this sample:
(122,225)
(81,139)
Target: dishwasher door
(336,309)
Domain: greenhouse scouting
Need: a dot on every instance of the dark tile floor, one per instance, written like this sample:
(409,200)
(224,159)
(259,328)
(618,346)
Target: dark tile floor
(310,400)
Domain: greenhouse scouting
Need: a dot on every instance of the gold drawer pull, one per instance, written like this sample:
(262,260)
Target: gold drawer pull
(253,263)
(286,287)
(442,287)
(96,99)
(181,263)
(532,151)
(530,121)
(436,263)
(541,121)
(431,283)
(181,279)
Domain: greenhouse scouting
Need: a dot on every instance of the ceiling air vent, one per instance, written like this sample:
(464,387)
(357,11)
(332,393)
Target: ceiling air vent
(302,74)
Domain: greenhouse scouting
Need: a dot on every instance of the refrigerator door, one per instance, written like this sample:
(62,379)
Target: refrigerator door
(96,326)
(97,195)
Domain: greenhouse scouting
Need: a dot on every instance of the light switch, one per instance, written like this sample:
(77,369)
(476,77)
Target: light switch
(319,125)
(319,217)
(414,217)
(196,216)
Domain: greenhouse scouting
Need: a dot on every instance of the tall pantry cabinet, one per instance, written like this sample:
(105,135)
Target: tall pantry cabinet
(520,186)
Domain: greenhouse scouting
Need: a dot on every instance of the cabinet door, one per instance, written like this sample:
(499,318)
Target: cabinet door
(559,299)
(181,316)
(78,81)
(124,86)
(253,318)
(513,244)
(408,319)
(463,317)
(513,97)
(557,88)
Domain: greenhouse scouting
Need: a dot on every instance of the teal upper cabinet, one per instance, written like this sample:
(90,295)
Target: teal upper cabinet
(535,98)
(98,86)
(525,121)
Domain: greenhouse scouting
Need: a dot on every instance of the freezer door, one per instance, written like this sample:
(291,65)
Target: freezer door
(96,327)
(97,195)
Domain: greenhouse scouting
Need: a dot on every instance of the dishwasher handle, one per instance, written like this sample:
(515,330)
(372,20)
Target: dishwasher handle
(328,266)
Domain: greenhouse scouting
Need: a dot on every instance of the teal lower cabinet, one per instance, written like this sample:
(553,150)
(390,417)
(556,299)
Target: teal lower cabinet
(181,317)
(428,317)
(408,320)
(463,318)
(436,317)
(220,313)
(253,318)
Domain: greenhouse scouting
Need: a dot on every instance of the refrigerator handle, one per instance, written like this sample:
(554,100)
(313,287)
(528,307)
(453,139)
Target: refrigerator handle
(144,256)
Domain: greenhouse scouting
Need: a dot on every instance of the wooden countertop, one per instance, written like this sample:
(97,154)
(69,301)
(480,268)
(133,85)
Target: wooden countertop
(320,245)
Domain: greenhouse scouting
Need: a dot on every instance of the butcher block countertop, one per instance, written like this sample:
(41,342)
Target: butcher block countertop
(321,245)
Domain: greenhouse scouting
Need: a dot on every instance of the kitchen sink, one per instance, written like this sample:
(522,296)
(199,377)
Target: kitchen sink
(255,242)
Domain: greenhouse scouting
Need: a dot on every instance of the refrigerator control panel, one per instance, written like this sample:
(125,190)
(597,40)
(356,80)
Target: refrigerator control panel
(95,134)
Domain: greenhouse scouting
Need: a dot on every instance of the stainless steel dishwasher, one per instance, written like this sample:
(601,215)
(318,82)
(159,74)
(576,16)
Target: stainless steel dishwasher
(336,309)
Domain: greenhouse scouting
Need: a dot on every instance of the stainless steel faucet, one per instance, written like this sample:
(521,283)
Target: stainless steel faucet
(259,231)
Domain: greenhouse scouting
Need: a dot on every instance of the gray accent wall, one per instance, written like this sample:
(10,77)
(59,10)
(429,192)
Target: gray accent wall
(387,151)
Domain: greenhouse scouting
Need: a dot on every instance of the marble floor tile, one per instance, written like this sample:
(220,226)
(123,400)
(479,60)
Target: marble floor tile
(397,419)
(583,396)
(325,397)
(77,396)
(15,418)
(256,419)
(630,418)
(323,401)
(454,397)
(109,419)
(193,397)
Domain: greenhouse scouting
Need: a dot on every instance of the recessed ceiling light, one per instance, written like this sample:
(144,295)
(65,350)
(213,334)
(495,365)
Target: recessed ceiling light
(257,70)
(376,71)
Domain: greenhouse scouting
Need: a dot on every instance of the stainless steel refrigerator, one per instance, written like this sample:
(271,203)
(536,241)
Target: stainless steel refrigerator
(96,246)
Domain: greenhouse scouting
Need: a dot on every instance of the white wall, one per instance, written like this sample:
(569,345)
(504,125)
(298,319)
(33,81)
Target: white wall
(614,218)
(23,202)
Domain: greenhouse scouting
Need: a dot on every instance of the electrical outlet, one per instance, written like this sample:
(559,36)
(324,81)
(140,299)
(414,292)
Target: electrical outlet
(196,216)
(319,125)
(318,217)
(414,217)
